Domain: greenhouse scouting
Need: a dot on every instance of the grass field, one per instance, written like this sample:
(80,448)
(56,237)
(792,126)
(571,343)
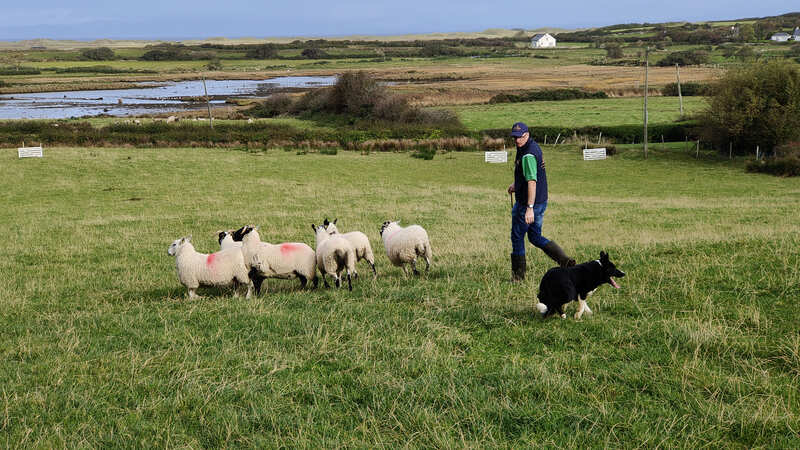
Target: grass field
(99,347)
(577,113)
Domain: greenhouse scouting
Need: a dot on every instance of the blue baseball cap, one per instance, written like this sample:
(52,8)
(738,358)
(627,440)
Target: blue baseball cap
(519,129)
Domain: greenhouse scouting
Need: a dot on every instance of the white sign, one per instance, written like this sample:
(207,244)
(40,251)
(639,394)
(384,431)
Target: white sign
(592,154)
(496,157)
(30,152)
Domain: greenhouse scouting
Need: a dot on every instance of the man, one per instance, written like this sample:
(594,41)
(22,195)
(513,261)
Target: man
(527,214)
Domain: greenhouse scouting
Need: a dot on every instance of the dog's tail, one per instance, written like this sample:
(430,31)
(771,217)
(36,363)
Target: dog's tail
(542,308)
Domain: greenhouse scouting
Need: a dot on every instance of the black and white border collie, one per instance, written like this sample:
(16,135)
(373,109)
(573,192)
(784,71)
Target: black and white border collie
(561,285)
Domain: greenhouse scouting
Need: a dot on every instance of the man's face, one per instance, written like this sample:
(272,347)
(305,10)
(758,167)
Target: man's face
(522,139)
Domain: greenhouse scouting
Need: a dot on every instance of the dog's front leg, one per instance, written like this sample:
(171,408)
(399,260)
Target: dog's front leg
(581,307)
(561,312)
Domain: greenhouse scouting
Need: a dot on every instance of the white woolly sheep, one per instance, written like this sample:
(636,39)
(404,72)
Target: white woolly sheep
(222,268)
(286,261)
(358,240)
(334,254)
(404,245)
(226,241)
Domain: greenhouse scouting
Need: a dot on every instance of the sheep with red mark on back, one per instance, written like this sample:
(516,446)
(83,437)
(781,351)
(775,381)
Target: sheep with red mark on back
(285,261)
(223,268)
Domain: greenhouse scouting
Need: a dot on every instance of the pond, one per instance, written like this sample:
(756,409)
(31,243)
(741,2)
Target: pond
(150,98)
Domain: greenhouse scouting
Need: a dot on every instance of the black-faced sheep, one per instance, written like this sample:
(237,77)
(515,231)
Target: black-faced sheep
(358,240)
(334,255)
(264,260)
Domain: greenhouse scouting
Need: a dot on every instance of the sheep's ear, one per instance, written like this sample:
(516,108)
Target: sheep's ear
(313,227)
(188,238)
(257,227)
(335,220)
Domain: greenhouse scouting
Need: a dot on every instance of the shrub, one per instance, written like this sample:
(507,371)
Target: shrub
(98,54)
(313,53)
(214,64)
(274,105)
(754,105)
(787,166)
(19,70)
(547,94)
(3,83)
(265,51)
(614,51)
(685,58)
(687,89)
(424,153)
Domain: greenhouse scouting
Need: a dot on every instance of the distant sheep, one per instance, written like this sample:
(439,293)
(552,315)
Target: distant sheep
(358,240)
(223,268)
(264,260)
(226,241)
(334,255)
(404,245)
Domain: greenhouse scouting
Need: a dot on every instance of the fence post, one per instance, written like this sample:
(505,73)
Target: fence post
(697,155)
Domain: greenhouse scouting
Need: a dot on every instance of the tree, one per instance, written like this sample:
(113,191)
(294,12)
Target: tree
(754,105)
(614,51)
(747,32)
(264,51)
(98,54)
(313,53)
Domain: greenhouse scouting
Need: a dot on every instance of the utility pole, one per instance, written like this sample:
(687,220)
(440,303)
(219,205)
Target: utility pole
(680,97)
(646,67)
(208,104)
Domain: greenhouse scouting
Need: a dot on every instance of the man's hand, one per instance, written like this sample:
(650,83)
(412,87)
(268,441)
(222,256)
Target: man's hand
(529,216)
(511,188)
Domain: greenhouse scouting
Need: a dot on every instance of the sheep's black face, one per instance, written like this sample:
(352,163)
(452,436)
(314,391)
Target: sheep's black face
(239,234)
(383,227)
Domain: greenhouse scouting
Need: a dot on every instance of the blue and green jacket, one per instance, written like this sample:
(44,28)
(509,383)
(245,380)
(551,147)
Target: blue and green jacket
(529,165)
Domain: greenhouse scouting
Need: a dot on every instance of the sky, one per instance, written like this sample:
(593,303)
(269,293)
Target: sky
(184,19)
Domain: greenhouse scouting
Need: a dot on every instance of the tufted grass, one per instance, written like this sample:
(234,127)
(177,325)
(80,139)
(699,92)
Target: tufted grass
(100,348)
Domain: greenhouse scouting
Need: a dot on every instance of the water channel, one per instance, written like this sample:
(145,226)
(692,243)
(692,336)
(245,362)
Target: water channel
(150,98)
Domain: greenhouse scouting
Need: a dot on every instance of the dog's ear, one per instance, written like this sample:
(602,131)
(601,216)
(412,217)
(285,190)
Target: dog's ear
(603,256)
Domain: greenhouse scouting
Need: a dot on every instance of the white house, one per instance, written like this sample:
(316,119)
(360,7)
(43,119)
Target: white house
(796,34)
(543,40)
(780,37)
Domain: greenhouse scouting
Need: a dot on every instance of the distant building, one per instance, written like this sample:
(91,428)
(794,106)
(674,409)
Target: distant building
(38,47)
(796,34)
(543,40)
(780,37)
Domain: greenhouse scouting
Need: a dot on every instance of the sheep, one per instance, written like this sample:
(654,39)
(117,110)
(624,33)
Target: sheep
(226,241)
(334,254)
(222,268)
(286,261)
(403,245)
(358,240)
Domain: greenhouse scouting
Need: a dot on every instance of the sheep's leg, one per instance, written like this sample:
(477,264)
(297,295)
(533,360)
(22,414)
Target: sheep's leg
(338,280)
(374,272)
(414,267)
(316,282)
(249,290)
(427,263)
(303,279)
(257,284)
(350,283)
(325,280)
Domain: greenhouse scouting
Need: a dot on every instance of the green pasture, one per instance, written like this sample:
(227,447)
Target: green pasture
(100,347)
(577,113)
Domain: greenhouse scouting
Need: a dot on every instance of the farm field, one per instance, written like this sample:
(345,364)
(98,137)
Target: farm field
(577,113)
(100,347)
